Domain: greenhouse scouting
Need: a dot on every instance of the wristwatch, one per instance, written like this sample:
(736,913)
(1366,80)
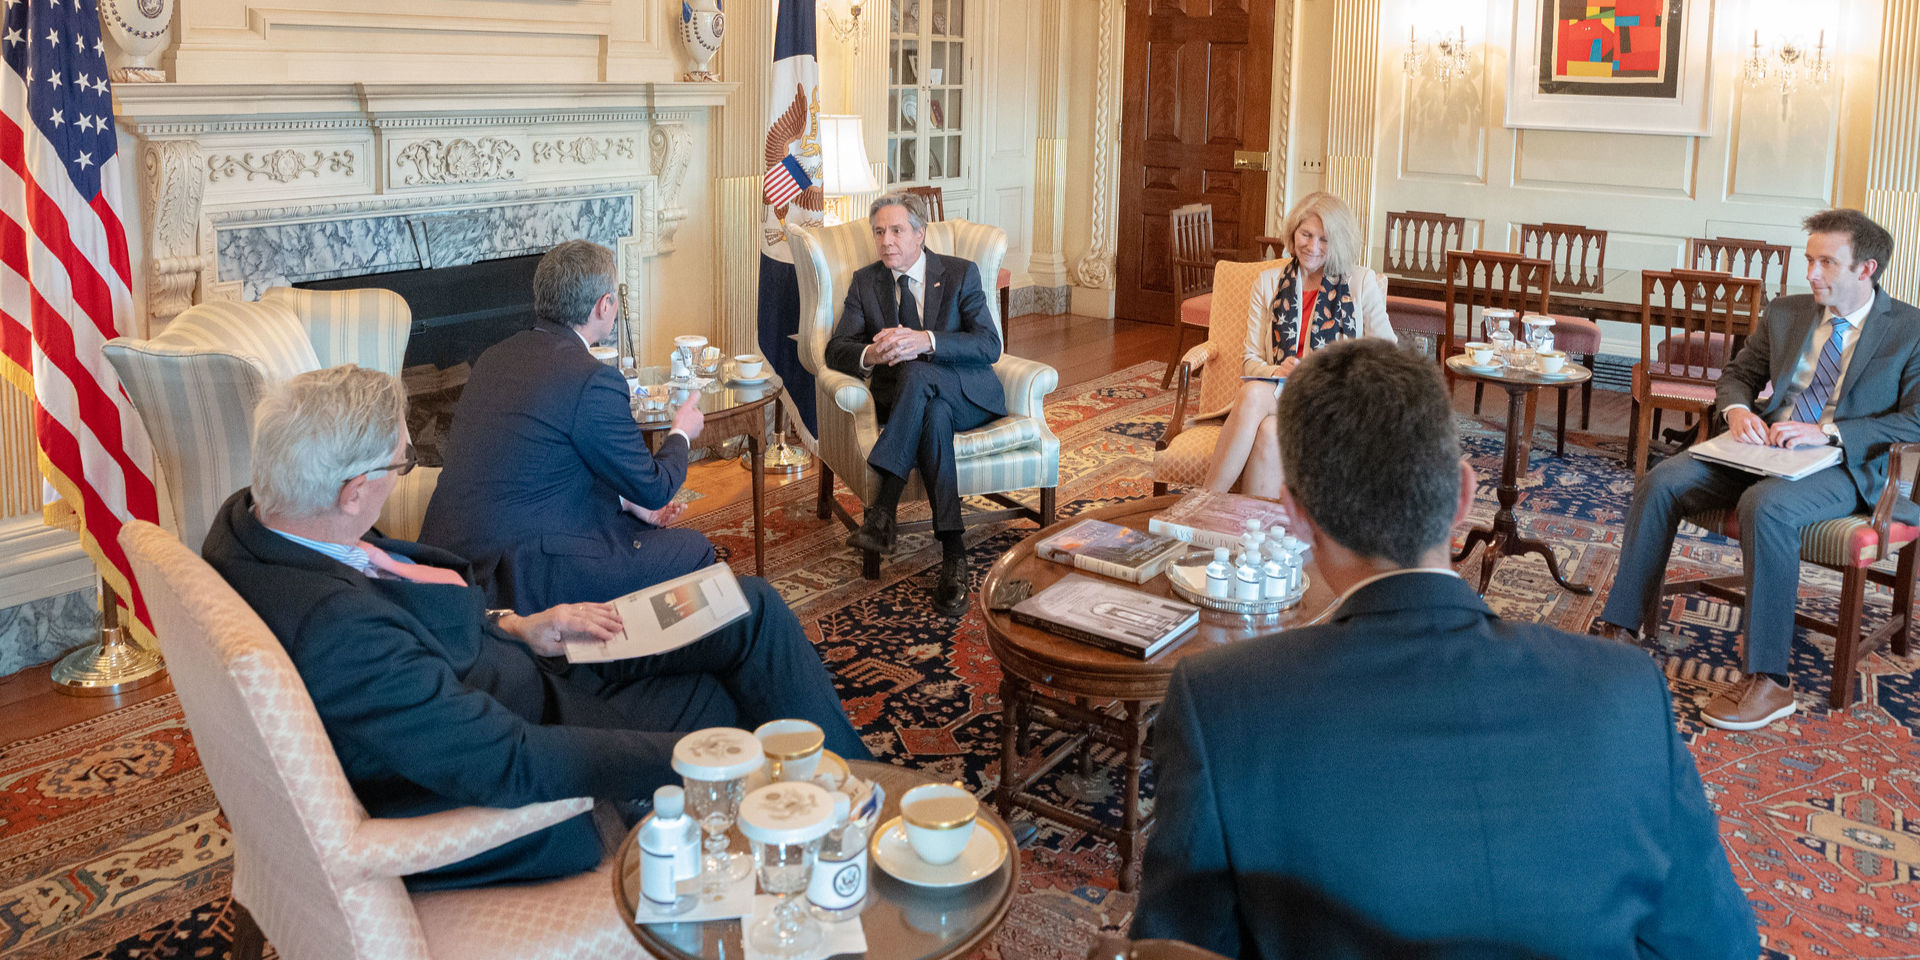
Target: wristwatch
(1832,432)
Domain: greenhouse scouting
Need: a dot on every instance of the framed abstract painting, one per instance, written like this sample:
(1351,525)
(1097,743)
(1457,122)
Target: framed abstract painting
(1618,66)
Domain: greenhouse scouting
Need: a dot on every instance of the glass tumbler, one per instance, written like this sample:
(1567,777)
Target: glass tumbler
(785,869)
(715,803)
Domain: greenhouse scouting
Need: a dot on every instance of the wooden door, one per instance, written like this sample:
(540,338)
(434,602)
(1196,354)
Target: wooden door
(1197,85)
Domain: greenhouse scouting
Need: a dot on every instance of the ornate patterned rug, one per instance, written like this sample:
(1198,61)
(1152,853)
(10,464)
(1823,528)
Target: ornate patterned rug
(111,845)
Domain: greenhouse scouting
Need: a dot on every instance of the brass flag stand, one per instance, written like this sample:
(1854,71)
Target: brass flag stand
(113,665)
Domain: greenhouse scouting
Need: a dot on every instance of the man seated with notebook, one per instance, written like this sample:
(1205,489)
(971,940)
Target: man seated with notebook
(1844,364)
(1444,775)
(431,700)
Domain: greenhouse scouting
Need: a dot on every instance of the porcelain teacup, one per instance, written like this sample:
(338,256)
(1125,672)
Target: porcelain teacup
(1479,354)
(792,748)
(939,820)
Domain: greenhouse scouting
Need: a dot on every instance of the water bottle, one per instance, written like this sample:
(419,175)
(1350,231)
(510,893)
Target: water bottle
(1246,584)
(838,887)
(1220,575)
(1274,580)
(669,851)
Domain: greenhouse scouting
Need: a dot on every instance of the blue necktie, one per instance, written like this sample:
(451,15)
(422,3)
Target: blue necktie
(909,307)
(1812,401)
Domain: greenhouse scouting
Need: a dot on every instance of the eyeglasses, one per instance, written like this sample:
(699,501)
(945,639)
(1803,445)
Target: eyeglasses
(400,469)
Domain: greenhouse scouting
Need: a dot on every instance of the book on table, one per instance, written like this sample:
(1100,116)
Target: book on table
(1111,550)
(1208,519)
(1108,615)
(1788,463)
(667,616)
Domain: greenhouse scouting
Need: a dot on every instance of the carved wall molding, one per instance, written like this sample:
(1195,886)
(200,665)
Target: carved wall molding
(583,150)
(280,166)
(1095,268)
(1280,118)
(672,152)
(367,206)
(170,192)
(458,160)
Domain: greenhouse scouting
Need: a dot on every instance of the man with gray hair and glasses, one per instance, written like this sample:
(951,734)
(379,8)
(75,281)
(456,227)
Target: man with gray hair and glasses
(917,324)
(1447,776)
(434,702)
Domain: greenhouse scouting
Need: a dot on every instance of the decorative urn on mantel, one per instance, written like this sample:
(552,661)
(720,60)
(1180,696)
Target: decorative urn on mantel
(701,24)
(139,31)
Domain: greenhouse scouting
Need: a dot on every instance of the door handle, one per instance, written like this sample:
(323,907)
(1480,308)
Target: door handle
(1250,160)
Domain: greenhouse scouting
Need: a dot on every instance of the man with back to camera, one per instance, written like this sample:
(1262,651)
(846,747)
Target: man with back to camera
(430,701)
(917,324)
(548,487)
(1844,362)
(1444,774)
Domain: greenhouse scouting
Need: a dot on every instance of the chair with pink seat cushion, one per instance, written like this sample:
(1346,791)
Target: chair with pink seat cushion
(1712,312)
(1190,258)
(1416,248)
(1579,258)
(311,870)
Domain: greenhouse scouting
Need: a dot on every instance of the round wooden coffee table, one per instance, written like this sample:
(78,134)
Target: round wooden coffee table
(1093,695)
(901,921)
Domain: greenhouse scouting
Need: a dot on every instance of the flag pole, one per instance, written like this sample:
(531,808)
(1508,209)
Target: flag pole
(112,665)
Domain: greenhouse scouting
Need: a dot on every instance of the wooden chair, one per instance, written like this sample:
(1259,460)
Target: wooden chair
(1765,262)
(1579,258)
(1850,545)
(1506,281)
(1190,258)
(936,210)
(1112,946)
(1714,310)
(1417,245)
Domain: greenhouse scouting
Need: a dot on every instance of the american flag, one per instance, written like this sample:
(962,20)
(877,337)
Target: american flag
(786,180)
(65,280)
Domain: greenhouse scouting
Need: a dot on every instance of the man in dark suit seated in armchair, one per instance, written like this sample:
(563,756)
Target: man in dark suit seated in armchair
(1446,775)
(917,324)
(547,486)
(431,700)
(1844,364)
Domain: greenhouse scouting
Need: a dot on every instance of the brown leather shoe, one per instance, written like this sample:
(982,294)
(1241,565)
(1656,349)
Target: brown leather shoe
(1606,630)
(1754,703)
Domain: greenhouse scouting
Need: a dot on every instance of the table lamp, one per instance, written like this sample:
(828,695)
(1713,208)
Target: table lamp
(844,169)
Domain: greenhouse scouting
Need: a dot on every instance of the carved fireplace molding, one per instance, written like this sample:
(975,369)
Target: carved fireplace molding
(245,186)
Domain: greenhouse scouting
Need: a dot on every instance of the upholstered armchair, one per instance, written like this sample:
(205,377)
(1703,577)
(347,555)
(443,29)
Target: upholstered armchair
(1016,452)
(311,870)
(196,383)
(1182,453)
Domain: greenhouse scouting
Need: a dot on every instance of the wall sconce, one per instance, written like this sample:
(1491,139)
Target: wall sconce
(849,32)
(1789,61)
(1447,57)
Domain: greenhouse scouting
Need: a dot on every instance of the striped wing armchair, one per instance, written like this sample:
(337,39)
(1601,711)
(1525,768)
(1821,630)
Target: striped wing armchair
(196,383)
(1016,452)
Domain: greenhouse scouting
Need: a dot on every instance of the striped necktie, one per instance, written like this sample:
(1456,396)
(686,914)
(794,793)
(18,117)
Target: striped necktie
(1812,402)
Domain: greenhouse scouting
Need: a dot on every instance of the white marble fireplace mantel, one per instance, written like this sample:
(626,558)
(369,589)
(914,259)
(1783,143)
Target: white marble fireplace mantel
(245,185)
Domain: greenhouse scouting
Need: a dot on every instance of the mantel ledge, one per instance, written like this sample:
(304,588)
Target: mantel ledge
(150,107)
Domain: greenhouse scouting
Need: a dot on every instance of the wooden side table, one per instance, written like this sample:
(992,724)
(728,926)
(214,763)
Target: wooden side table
(1055,684)
(732,410)
(1503,538)
(901,921)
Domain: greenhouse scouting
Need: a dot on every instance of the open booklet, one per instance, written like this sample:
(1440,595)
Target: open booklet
(667,616)
(1786,463)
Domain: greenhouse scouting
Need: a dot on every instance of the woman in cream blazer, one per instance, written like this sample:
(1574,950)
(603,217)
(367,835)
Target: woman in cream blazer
(1340,300)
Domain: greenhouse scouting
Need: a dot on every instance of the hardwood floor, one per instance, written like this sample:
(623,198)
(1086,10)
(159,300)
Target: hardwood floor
(1081,348)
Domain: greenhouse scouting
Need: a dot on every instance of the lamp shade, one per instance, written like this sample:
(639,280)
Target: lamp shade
(843,156)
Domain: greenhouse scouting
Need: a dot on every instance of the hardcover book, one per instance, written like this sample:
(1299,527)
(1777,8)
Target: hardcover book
(1208,519)
(1108,615)
(1111,550)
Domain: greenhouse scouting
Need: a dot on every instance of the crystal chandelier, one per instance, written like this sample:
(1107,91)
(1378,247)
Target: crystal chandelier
(1445,57)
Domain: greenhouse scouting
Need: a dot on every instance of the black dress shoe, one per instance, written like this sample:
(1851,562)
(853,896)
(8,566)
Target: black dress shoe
(877,532)
(950,595)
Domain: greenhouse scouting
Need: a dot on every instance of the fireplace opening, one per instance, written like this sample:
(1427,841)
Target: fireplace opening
(458,312)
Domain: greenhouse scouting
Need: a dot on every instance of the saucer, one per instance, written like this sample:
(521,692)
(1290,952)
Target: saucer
(764,376)
(1477,368)
(1562,375)
(830,762)
(984,853)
